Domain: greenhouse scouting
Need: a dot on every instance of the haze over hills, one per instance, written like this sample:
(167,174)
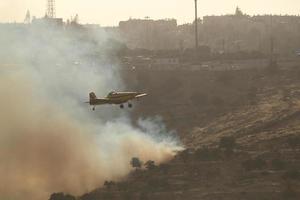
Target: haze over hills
(220,121)
(223,35)
(109,13)
(236,150)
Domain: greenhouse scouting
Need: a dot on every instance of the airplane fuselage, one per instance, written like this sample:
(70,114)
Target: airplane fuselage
(115,98)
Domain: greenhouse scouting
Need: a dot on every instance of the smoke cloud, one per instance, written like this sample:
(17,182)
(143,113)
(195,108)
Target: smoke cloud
(50,141)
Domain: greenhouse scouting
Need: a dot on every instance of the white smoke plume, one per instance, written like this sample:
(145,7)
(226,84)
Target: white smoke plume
(50,141)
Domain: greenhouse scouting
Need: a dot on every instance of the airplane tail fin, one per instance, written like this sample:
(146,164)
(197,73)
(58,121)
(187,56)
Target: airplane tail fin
(93,96)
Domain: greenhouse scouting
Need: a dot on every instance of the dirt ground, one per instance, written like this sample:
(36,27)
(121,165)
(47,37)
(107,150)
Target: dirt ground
(241,130)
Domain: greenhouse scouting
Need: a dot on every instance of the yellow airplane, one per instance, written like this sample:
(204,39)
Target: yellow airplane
(115,98)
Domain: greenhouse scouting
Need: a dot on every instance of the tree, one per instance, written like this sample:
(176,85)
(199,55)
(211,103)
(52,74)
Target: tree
(61,196)
(136,163)
(150,165)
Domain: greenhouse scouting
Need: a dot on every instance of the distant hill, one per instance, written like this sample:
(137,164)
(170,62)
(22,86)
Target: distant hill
(246,150)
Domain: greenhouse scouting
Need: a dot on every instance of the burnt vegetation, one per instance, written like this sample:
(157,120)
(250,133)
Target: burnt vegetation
(240,131)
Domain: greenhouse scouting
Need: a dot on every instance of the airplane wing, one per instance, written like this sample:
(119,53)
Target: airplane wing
(95,102)
(140,95)
(102,101)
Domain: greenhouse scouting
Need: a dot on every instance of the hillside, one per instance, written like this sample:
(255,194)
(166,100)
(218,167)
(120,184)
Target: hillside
(242,142)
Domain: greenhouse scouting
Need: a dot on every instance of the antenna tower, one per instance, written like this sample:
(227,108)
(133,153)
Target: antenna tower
(51,8)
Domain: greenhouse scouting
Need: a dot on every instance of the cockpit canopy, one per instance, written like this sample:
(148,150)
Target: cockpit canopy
(111,93)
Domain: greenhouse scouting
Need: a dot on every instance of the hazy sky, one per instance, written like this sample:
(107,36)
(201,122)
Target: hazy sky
(108,12)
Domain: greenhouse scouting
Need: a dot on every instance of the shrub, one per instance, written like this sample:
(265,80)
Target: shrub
(61,196)
(184,155)
(294,141)
(289,192)
(225,78)
(109,184)
(150,165)
(278,164)
(164,168)
(199,99)
(206,154)
(254,164)
(293,174)
(156,183)
(218,102)
(227,143)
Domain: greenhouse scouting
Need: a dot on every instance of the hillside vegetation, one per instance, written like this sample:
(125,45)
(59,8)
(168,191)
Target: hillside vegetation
(241,130)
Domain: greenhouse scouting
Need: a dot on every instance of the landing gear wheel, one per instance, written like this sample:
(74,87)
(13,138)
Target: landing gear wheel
(93,108)
(121,106)
(129,105)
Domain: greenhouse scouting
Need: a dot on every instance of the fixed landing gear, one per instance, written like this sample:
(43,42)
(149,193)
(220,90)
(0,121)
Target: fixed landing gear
(129,106)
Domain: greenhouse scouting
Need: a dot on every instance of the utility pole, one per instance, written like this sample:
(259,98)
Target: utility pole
(273,60)
(196,25)
(271,40)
